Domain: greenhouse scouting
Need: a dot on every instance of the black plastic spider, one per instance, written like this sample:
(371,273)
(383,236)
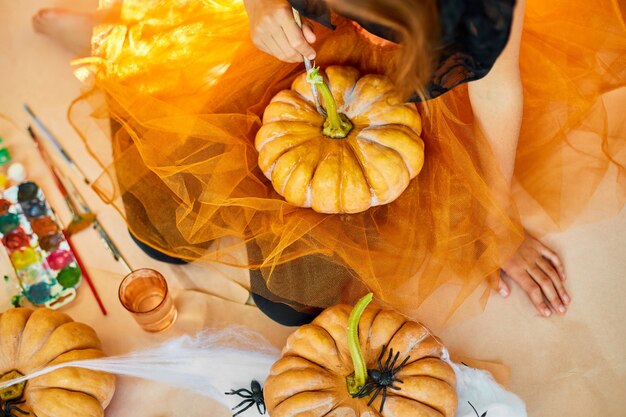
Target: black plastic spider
(251,397)
(382,378)
(474,408)
(9,407)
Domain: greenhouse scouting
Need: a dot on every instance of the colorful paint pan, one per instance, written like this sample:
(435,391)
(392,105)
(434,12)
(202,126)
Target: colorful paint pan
(59,259)
(32,274)
(27,191)
(5,205)
(39,293)
(51,242)
(43,260)
(44,226)
(24,257)
(69,276)
(16,239)
(9,222)
(35,208)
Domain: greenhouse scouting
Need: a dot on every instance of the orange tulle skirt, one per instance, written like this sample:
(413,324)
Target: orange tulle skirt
(185,90)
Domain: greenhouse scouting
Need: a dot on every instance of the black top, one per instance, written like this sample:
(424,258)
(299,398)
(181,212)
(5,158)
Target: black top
(473,34)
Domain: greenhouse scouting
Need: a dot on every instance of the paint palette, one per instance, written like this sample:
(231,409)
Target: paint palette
(45,265)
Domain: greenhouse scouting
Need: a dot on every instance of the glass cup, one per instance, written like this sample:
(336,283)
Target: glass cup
(145,294)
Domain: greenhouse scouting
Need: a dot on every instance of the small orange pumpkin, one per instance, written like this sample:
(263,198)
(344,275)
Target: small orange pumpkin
(315,376)
(32,340)
(363,154)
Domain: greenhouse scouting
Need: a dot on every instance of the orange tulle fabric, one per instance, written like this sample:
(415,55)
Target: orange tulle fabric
(185,89)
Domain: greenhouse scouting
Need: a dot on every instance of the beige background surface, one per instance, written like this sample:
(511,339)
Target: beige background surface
(574,366)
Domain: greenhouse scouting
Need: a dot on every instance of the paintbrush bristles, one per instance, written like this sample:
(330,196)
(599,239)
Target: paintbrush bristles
(80,223)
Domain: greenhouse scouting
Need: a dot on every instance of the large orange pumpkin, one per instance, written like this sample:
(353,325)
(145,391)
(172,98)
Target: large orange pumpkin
(372,165)
(32,340)
(314,374)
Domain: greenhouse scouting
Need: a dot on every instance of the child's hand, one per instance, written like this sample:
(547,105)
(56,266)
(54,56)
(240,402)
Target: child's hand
(274,30)
(539,271)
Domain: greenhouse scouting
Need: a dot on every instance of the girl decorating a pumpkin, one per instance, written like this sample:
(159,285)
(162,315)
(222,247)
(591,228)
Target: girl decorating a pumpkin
(511,116)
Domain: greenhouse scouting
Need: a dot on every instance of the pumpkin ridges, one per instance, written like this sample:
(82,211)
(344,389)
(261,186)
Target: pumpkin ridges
(69,336)
(431,380)
(415,347)
(350,145)
(289,406)
(287,112)
(432,367)
(96,384)
(295,362)
(355,195)
(303,88)
(378,167)
(369,90)
(330,312)
(274,132)
(56,343)
(12,324)
(382,114)
(271,153)
(334,321)
(105,390)
(286,164)
(341,81)
(38,329)
(306,343)
(302,380)
(416,353)
(298,183)
(381,332)
(272,397)
(365,330)
(423,389)
(404,142)
(326,181)
(56,402)
(294,98)
(284,103)
(401,406)
(383,168)
(368,170)
(351,407)
(428,348)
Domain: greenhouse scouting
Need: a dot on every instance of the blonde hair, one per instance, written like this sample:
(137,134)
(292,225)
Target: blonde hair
(417,24)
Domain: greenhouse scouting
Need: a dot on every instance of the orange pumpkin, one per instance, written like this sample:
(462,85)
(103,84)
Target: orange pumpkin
(315,375)
(363,154)
(32,340)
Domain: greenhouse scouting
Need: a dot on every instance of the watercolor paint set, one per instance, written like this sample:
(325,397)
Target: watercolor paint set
(43,261)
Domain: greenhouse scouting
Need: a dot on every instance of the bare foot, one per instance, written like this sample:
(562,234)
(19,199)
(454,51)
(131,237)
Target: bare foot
(71,30)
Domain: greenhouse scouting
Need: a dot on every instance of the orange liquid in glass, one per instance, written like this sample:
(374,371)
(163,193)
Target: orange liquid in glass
(145,294)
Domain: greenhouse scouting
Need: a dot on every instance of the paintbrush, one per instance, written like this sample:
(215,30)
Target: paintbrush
(72,198)
(85,274)
(75,194)
(56,144)
(79,221)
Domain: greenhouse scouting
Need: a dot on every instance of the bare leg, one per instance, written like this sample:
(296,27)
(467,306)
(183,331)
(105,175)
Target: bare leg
(497,102)
(71,30)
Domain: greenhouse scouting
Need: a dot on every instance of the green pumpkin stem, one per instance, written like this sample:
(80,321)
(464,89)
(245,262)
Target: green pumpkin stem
(356,381)
(336,125)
